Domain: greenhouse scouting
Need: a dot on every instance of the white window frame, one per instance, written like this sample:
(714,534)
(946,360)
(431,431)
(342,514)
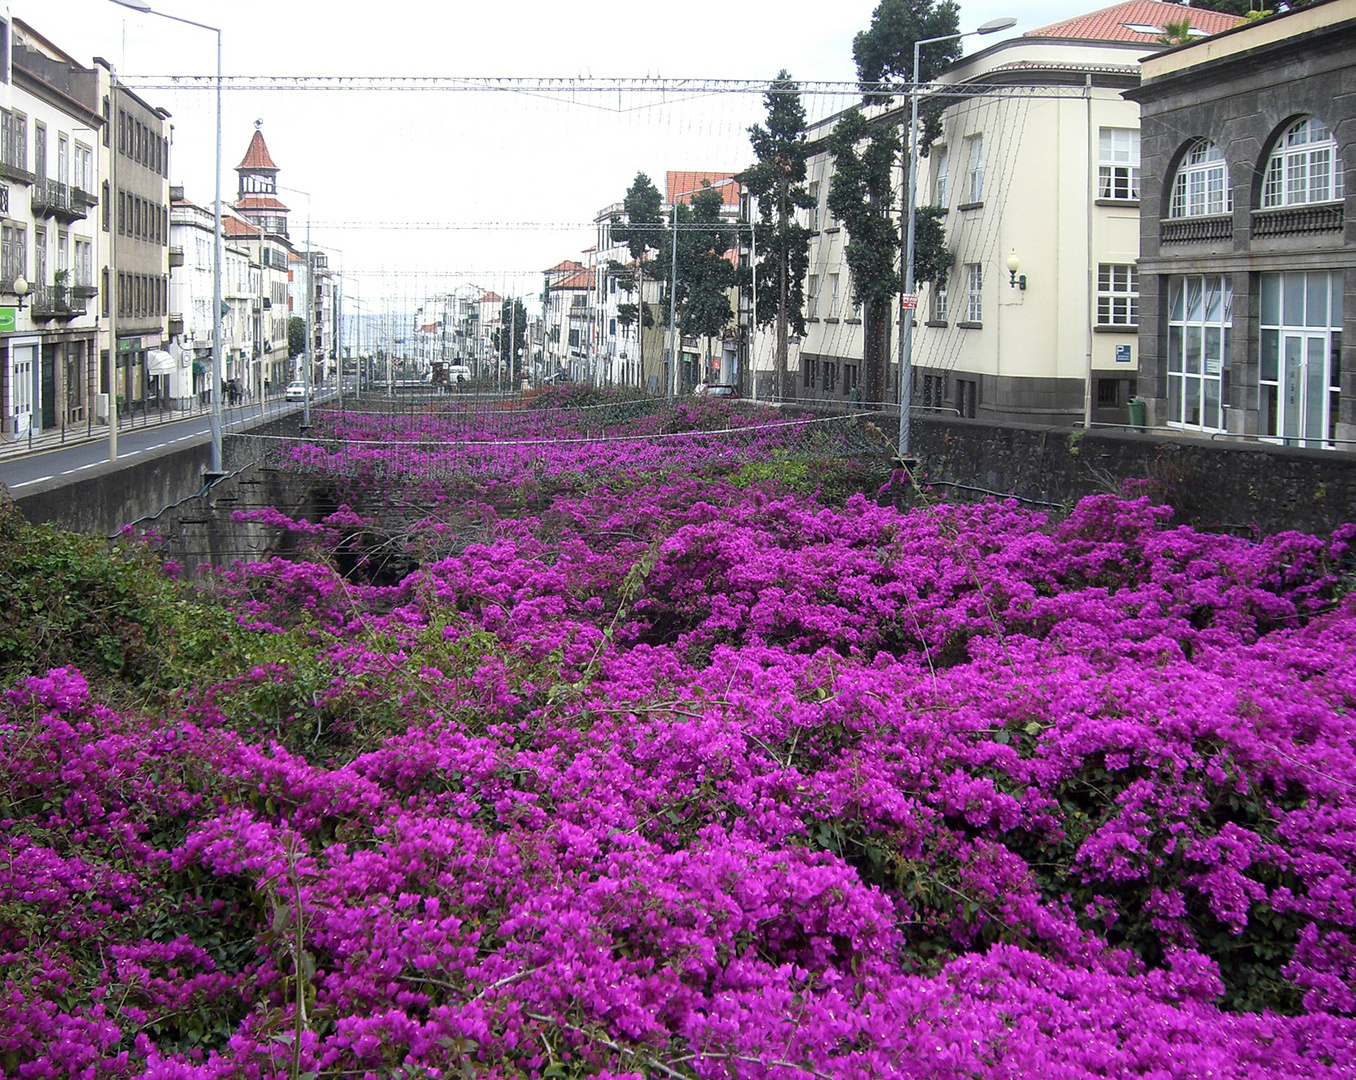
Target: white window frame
(1201,187)
(1304,309)
(939,304)
(974,292)
(13,251)
(813,216)
(84,262)
(1117,294)
(1200,329)
(974,173)
(1305,167)
(940,165)
(833,296)
(84,167)
(1118,164)
(812,297)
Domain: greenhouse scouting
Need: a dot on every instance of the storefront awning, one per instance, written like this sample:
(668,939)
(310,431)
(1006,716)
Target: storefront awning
(159,362)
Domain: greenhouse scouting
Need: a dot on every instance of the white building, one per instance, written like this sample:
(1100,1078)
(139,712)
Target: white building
(191,286)
(1037,167)
(49,348)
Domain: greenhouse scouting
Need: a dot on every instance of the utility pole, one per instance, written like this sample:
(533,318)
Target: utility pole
(113,286)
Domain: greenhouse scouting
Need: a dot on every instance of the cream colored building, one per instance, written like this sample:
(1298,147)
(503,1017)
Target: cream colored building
(1037,159)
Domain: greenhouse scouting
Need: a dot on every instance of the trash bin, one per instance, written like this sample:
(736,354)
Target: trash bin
(1138,413)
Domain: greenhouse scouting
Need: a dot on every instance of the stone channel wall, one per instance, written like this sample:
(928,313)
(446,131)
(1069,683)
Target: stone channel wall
(1246,487)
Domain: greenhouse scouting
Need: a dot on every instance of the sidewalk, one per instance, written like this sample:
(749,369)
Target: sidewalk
(138,420)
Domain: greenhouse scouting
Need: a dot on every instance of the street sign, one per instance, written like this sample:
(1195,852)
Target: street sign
(908,300)
(8,317)
(1122,354)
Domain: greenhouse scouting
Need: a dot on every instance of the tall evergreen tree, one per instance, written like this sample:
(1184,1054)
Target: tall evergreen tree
(705,274)
(511,337)
(778,181)
(642,231)
(884,51)
(863,195)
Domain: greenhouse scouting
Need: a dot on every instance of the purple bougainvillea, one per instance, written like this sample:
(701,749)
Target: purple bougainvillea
(659,765)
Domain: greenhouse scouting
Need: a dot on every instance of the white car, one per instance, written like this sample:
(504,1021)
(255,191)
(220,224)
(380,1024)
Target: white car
(296,391)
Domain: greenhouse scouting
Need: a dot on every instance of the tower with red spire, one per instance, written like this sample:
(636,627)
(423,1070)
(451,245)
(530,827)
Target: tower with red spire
(257,197)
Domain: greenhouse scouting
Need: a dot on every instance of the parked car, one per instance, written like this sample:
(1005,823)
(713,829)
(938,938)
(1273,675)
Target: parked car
(296,391)
(725,390)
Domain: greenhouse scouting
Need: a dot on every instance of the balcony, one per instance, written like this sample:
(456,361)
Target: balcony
(176,255)
(51,198)
(1299,220)
(48,302)
(14,163)
(1196,230)
(83,291)
(176,324)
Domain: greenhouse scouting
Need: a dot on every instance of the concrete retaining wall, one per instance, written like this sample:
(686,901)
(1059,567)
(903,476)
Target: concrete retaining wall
(1238,486)
(101,501)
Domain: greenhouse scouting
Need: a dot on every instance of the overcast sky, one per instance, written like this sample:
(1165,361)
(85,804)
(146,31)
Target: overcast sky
(463,170)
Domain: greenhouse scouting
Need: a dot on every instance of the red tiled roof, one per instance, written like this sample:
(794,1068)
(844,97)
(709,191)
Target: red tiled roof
(1111,24)
(430,328)
(566,264)
(256,157)
(583,279)
(259,202)
(491,298)
(233,226)
(685,184)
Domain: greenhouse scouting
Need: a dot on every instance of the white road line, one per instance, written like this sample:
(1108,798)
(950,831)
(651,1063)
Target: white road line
(157,446)
(39,480)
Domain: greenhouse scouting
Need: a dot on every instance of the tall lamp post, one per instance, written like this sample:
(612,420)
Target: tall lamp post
(145,8)
(993,26)
(673,283)
(310,301)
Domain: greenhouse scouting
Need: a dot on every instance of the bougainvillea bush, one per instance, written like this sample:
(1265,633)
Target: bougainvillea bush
(659,765)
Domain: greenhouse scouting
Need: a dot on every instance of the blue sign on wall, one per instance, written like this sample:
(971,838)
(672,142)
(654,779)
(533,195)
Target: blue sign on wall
(1122,354)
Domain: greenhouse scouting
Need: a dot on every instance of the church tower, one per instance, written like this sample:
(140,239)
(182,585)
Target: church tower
(257,198)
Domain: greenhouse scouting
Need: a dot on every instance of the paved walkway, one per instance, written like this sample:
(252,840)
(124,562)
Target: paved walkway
(138,420)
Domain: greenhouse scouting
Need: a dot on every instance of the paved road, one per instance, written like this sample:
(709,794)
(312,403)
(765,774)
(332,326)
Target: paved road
(17,473)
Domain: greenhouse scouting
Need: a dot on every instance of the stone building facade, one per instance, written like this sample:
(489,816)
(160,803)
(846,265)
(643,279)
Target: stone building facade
(1247,233)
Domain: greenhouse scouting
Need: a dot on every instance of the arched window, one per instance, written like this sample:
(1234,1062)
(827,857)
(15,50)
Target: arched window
(1202,183)
(1304,167)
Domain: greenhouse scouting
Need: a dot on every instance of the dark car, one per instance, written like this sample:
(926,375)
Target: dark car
(725,390)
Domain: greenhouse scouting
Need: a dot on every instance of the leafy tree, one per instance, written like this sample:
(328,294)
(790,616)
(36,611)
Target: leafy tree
(931,256)
(642,231)
(296,336)
(704,273)
(861,197)
(778,181)
(884,51)
(627,279)
(512,322)
(1176,32)
(1245,8)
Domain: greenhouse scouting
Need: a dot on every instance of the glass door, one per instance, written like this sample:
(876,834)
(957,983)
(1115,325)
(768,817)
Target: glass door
(1301,345)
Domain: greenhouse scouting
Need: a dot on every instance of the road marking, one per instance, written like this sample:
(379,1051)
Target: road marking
(39,480)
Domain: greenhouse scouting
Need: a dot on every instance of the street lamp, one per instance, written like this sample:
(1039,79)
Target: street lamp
(145,8)
(993,26)
(310,300)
